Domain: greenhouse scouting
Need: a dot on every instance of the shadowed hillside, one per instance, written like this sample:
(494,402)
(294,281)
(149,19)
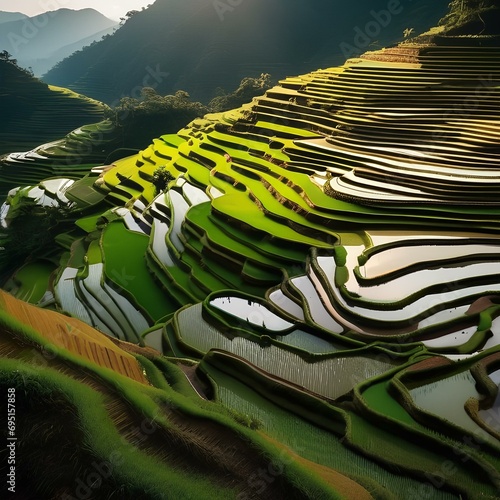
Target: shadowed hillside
(34,113)
(199,45)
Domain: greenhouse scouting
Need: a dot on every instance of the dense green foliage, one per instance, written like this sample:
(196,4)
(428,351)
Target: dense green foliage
(467,16)
(161,178)
(247,90)
(151,114)
(178,107)
(32,232)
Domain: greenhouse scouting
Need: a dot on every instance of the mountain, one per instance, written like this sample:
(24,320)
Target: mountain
(41,66)
(6,17)
(34,41)
(199,45)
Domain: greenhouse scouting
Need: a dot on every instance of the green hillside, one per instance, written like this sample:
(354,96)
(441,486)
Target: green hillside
(34,113)
(127,128)
(199,46)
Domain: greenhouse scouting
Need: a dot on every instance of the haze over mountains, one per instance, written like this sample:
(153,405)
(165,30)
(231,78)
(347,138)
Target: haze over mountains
(200,45)
(40,42)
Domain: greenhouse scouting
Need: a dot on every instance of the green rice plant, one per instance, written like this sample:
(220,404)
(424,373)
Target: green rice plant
(310,441)
(31,281)
(128,269)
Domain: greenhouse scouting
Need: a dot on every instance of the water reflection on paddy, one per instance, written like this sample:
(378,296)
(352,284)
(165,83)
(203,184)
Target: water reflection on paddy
(252,312)
(392,259)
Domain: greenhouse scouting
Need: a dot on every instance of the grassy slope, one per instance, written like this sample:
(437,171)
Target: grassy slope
(154,439)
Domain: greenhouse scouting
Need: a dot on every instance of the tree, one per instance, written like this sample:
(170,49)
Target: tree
(472,17)
(161,178)
(248,89)
(31,230)
(152,104)
(128,15)
(6,56)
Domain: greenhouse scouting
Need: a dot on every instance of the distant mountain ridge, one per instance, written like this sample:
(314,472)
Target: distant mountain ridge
(40,42)
(7,17)
(199,45)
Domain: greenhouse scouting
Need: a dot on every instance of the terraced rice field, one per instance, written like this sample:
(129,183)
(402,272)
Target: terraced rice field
(79,338)
(102,396)
(73,156)
(327,253)
(34,119)
(31,282)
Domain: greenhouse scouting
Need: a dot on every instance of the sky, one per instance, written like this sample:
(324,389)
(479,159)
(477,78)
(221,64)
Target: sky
(112,9)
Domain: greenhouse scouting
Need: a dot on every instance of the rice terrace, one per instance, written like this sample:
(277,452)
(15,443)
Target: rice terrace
(289,291)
